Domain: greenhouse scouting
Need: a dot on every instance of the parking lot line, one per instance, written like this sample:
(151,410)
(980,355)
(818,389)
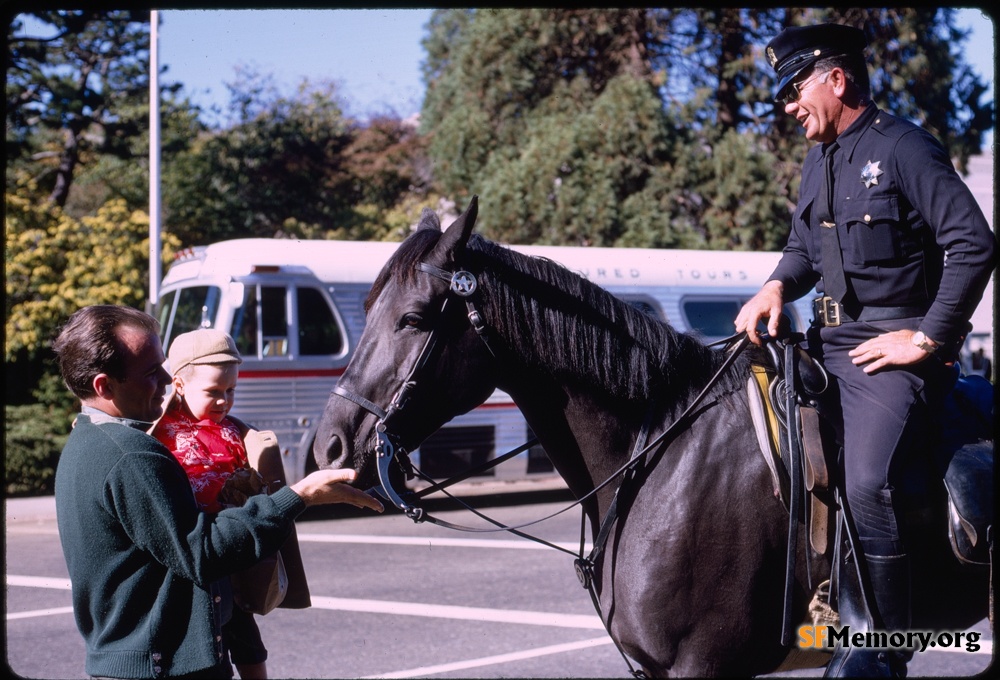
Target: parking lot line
(516,616)
(499,658)
(436,542)
(440,611)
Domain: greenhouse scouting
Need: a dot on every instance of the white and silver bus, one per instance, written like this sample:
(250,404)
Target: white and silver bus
(295,309)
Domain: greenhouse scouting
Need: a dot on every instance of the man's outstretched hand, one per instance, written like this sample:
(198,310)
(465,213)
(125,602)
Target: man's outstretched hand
(325,487)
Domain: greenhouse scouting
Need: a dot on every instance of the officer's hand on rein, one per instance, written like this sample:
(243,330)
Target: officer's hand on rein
(766,304)
(889,349)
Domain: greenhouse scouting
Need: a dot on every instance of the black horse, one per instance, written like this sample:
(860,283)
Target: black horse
(692,580)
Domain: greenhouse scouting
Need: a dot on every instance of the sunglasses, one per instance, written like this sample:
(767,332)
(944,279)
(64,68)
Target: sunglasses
(796,88)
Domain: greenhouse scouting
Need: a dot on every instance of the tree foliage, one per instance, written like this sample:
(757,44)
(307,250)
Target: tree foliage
(75,80)
(56,264)
(33,436)
(657,127)
(291,166)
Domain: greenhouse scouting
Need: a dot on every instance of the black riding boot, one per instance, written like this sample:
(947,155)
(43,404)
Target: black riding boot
(890,583)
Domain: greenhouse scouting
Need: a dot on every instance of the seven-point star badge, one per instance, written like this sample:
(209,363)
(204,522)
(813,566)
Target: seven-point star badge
(870,173)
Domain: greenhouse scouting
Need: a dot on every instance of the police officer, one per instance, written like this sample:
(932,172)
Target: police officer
(893,238)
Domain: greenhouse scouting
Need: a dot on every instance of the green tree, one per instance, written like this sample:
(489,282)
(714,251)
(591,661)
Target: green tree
(279,169)
(56,264)
(294,166)
(74,80)
(528,103)
(516,100)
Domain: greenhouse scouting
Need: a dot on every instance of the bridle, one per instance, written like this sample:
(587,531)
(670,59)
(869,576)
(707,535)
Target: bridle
(462,285)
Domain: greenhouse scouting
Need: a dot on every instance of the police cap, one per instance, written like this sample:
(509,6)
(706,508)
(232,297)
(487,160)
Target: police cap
(799,47)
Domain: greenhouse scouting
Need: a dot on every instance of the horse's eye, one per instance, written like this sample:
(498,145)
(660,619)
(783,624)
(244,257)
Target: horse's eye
(411,321)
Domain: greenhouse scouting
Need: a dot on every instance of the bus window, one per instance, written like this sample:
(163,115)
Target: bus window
(163,309)
(274,321)
(646,305)
(194,308)
(714,318)
(244,330)
(260,325)
(319,332)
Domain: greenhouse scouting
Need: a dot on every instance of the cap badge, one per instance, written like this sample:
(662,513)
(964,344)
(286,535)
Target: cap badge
(870,173)
(771,56)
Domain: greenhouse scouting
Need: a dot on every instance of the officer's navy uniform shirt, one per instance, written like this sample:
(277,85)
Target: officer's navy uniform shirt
(898,204)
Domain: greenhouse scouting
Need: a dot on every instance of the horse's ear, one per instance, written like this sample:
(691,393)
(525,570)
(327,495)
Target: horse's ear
(429,220)
(457,235)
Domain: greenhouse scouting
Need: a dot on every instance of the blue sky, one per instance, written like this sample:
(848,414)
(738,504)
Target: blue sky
(374,55)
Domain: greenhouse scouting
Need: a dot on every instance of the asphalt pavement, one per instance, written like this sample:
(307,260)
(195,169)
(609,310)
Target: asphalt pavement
(391,599)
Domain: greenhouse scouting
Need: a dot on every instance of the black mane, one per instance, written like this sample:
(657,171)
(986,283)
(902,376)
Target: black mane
(556,320)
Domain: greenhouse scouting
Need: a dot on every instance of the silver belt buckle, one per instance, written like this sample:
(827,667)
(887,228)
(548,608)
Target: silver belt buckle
(827,310)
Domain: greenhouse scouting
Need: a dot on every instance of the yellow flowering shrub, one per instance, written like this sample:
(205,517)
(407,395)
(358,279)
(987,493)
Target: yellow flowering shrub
(56,264)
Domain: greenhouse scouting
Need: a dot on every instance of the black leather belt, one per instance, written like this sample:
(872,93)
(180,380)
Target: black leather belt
(829,312)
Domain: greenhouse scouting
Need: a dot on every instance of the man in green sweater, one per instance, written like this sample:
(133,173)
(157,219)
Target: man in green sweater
(147,568)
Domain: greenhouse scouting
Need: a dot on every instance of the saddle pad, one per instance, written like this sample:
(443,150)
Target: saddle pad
(767,430)
(765,425)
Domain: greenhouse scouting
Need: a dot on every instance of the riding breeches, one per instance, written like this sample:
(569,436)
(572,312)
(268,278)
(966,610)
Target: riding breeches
(887,427)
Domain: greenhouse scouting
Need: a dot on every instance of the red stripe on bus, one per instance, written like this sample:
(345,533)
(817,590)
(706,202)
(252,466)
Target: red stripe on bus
(303,373)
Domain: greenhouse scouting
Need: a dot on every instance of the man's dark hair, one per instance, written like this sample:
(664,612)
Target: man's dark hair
(855,69)
(88,345)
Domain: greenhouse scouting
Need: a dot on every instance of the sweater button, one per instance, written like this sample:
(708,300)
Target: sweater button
(218,599)
(157,669)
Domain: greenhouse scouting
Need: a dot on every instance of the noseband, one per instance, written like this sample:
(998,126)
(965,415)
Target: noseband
(462,285)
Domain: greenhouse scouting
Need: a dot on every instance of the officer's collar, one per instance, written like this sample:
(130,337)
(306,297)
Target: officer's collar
(850,137)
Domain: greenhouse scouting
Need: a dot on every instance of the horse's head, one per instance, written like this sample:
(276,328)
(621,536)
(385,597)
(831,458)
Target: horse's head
(419,362)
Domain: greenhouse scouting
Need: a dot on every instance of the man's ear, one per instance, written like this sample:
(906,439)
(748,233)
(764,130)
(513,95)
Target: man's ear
(838,79)
(104,385)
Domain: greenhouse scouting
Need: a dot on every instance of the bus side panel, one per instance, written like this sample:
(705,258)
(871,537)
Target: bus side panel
(289,406)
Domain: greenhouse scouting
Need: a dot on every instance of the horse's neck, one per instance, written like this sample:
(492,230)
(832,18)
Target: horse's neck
(585,438)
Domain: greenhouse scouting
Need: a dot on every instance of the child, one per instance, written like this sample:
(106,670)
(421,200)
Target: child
(209,445)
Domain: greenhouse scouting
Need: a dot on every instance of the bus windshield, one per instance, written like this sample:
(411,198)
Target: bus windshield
(187,309)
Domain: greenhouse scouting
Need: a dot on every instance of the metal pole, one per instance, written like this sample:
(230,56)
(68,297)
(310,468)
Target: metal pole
(155,245)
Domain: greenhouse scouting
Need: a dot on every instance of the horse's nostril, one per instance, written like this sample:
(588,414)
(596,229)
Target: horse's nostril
(328,454)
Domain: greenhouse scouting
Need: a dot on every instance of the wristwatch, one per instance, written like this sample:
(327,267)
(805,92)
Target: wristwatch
(924,343)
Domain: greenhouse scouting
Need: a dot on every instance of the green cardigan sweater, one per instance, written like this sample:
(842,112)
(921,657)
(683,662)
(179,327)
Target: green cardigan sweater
(143,561)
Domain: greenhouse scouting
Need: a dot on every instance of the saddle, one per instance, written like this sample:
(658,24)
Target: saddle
(768,410)
(964,461)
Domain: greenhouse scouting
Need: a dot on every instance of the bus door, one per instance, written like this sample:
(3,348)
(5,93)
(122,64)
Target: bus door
(294,346)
